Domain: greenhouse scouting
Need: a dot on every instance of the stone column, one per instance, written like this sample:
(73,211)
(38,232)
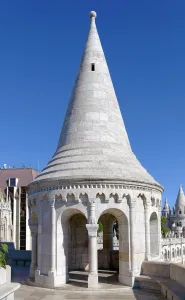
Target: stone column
(132,234)
(28,232)
(147,229)
(170,257)
(53,237)
(39,242)
(92,228)
(159,230)
(182,250)
(33,266)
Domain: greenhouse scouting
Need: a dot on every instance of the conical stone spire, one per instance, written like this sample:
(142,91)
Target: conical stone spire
(93,143)
(180,201)
(166,205)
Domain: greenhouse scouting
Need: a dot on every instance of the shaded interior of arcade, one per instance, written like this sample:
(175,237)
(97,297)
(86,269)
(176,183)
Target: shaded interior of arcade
(109,260)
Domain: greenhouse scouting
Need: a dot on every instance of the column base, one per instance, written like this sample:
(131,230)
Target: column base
(50,281)
(93,281)
(32,271)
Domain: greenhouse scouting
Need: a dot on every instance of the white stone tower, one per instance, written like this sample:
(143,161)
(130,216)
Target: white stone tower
(166,212)
(178,217)
(93,175)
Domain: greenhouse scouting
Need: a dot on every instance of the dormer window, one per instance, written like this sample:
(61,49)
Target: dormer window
(93,67)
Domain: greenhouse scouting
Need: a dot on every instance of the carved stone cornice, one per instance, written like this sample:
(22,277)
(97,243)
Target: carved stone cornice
(45,186)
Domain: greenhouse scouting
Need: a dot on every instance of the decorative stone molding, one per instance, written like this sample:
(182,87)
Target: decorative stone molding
(92,229)
(141,186)
(33,228)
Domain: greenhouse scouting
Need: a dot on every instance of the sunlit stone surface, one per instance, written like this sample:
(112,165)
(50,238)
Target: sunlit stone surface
(93,176)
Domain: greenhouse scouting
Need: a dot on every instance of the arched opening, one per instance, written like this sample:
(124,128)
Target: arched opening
(114,258)
(173,253)
(154,239)
(72,245)
(77,243)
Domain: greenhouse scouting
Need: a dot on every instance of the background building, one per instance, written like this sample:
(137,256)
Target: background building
(14,206)
(176,216)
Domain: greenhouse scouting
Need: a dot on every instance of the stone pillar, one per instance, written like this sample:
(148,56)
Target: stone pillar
(147,229)
(170,257)
(132,235)
(182,250)
(159,230)
(28,232)
(33,266)
(92,228)
(39,243)
(53,237)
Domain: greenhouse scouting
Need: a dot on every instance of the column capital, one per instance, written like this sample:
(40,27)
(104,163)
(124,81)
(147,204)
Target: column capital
(146,202)
(132,203)
(92,229)
(92,201)
(51,202)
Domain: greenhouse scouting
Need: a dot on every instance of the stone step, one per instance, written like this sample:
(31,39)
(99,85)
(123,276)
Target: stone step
(147,283)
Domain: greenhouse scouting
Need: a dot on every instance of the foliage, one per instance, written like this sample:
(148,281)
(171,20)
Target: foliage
(164,228)
(100,228)
(3,251)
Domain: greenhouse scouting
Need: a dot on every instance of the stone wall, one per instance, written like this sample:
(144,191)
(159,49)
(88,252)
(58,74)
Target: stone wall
(108,259)
(177,273)
(7,288)
(173,249)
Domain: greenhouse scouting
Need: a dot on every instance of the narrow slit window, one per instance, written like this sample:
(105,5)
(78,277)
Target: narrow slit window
(92,67)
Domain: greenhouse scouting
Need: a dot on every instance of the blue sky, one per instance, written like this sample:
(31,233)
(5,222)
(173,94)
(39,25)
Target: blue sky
(41,46)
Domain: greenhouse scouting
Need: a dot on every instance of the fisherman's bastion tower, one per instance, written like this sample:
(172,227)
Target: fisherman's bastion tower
(176,216)
(93,176)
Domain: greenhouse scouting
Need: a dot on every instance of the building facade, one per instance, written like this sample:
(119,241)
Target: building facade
(176,216)
(6,228)
(14,204)
(93,176)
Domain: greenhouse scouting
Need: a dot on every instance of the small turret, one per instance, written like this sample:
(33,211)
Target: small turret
(180,202)
(166,209)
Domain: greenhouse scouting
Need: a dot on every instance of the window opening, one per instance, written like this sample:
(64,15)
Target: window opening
(92,67)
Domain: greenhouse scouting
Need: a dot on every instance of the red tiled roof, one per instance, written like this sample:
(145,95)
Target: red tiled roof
(24,175)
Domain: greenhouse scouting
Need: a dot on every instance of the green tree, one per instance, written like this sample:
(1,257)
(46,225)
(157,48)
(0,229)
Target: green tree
(3,251)
(100,228)
(164,228)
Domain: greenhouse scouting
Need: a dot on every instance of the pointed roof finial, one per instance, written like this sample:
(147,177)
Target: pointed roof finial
(92,14)
(166,205)
(180,198)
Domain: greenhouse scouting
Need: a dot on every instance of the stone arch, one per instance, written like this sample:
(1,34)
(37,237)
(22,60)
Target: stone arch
(101,197)
(123,252)
(165,254)
(70,198)
(173,253)
(153,201)
(114,196)
(71,230)
(154,238)
(83,197)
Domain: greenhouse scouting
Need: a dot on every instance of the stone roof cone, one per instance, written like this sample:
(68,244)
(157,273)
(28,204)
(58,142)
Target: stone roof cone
(93,143)
(180,201)
(166,205)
